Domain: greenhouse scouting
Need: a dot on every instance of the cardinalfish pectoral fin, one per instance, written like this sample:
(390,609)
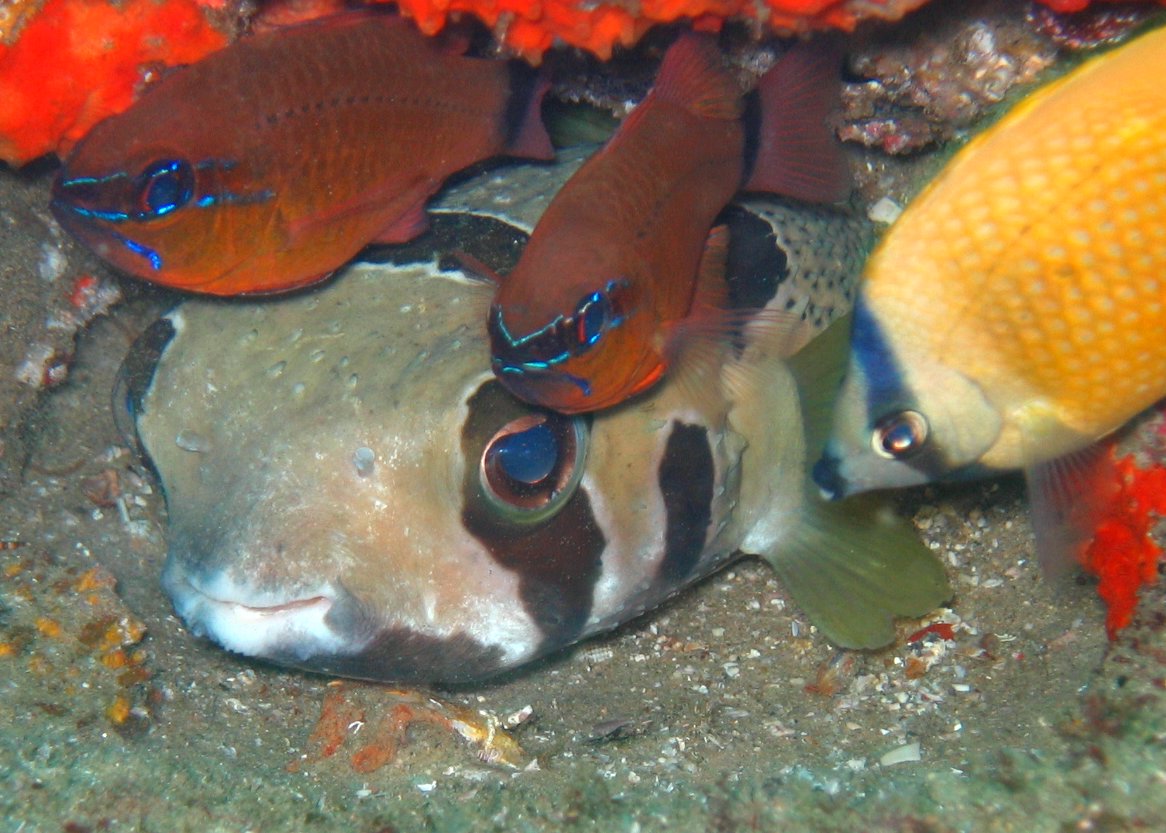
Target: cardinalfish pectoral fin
(695,345)
(398,206)
(790,147)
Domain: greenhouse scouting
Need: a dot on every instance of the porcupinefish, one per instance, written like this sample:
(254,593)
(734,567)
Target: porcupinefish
(623,259)
(1015,312)
(351,491)
(270,163)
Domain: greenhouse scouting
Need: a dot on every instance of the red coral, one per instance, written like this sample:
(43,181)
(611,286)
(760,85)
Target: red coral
(530,27)
(1122,554)
(70,63)
(77,61)
(944,630)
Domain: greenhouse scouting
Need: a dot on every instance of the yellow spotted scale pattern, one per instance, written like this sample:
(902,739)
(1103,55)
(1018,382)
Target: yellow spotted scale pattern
(1036,262)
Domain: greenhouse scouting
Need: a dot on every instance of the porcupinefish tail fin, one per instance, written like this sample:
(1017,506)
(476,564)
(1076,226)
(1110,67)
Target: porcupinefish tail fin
(853,566)
(693,75)
(1070,497)
(791,148)
(525,135)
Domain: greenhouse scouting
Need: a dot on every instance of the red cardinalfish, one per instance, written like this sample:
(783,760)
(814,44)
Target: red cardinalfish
(596,306)
(270,163)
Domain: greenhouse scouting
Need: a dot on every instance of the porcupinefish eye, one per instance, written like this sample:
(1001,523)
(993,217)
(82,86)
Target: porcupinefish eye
(532,465)
(164,186)
(899,435)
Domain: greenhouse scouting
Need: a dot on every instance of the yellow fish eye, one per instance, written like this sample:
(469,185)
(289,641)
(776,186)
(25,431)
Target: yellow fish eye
(899,435)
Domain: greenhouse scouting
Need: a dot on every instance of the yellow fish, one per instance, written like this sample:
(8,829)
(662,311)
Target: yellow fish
(1016,312)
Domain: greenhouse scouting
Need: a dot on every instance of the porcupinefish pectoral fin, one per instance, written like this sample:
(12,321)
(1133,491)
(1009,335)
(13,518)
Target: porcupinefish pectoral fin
(854,566)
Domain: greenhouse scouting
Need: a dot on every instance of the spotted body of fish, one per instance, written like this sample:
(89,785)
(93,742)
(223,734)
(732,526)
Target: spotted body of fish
(592,313)
(269,164)
(1015,312)
(351,491)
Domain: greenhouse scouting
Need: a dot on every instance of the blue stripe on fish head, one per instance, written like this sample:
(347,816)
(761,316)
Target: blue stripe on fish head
(874,374)
(159,191)
(539,353)
(896,441)
(163,186)
(873,355)
(557,559)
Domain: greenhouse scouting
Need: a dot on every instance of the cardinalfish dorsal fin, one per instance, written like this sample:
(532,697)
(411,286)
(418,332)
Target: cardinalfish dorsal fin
(790,148)
(693,75)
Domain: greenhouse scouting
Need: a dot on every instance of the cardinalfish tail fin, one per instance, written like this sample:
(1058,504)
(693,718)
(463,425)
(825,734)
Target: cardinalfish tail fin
(791,149)
(693,75)
(522,120)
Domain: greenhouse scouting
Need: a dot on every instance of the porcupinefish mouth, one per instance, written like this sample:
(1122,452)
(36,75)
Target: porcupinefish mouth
(325,629)
(248,622)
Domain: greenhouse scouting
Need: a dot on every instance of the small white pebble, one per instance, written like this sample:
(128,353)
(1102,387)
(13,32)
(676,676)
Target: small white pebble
(885,211)
(192,441)
(906,753)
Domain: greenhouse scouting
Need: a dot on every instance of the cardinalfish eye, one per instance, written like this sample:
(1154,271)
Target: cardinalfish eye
(532,465)
(900,435)
(596,313)
(163,187)
(590,318)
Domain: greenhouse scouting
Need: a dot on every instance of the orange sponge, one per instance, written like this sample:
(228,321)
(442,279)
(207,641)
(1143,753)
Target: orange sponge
(530,27)
(73,62)
(1123,554)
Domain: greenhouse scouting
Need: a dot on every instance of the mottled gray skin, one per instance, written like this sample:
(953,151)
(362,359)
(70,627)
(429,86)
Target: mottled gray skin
(321,460)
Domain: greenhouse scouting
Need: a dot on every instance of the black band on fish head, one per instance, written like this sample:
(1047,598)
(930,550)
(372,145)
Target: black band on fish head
(556,556)
(686,479)
(134,378)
